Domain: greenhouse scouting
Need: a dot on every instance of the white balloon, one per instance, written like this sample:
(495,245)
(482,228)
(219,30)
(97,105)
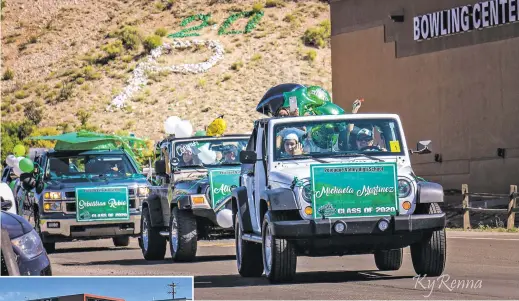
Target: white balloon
(184,129)
(10,160)
(17,171)
(17,162)
(170,124)
(224,218)
(206,155)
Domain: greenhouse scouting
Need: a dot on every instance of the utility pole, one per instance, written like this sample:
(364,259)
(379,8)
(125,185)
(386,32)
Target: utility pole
(173,286)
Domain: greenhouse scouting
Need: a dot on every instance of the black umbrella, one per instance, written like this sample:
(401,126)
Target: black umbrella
(273,99)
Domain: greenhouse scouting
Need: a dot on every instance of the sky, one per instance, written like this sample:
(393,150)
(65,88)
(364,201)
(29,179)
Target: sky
(128,288)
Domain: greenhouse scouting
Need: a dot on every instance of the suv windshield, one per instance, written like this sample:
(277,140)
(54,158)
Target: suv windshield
(209,153)
(379,137)
(79,166)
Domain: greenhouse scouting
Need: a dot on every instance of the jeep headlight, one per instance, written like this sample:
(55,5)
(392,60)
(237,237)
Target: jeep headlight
(404,188)
(307,193)
(143,191)
(28,245)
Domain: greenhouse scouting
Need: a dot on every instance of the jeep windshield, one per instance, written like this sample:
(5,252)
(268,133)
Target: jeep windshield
(340,138)
(88,166)
(209,153)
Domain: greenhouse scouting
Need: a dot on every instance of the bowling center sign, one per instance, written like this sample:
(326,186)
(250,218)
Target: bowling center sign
(465,18)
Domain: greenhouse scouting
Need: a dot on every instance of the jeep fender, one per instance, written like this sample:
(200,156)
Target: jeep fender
(239,195)
(156,209)
(182,201)
(280,199)
(429,192)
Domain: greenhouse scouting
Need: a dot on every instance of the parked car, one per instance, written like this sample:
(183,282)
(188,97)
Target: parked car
(22,253)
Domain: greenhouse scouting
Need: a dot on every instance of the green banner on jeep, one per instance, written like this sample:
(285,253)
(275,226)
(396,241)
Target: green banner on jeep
(222,182)
(354,189)
(102,204)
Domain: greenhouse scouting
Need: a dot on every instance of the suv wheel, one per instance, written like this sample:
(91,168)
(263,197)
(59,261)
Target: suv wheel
(389,260)
(279,256)
(247,255)
(153,245)
(183,235)
(121,241)
(429,255)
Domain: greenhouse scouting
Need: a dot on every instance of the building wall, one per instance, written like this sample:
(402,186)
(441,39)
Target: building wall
(72,298)
(460,91)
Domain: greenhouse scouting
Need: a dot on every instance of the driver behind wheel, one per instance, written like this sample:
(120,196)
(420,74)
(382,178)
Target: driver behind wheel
(365,141)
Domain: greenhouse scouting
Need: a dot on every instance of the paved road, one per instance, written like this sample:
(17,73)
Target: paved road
(479,266)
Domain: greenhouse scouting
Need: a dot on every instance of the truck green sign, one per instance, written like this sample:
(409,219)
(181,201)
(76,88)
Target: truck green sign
(222,181)
(354,189)
(102,204)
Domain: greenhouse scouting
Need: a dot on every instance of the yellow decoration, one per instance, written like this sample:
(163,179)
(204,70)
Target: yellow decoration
(217,127)
(395,146)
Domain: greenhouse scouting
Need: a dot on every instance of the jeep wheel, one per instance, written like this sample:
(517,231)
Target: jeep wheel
(279,256)
(153,245)
(389,260)
(248,254)
(183,235)
(429,254)
(121,241)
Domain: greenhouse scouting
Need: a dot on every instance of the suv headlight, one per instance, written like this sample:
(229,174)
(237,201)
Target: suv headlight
(28,245)
(404,188)
(52,195)
(51,206)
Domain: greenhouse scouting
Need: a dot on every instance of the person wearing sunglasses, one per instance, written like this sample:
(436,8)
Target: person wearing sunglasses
(365,141)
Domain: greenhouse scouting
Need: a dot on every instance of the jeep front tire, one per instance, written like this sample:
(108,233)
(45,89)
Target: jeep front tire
(248,254)
(429,255)
(152,244)
(389,260)
(279,256)
(183,235)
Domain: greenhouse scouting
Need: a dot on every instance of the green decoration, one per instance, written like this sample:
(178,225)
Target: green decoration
(187,32)
(84,140)
(222,181)
(19,150)
(102,204)
(318,94)
(324,136)
(329,109)
(26,165)
(200,133)
(255,17)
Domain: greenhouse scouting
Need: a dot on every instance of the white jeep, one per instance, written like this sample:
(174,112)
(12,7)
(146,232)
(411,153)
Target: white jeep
(334,185)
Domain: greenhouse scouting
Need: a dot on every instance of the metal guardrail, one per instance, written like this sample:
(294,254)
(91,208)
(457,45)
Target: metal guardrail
(511,210)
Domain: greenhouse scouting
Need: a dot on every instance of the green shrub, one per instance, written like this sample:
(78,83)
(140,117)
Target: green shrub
(319,35)
(33,113)
(311,55)
(89,73)
(113,49)
(161,32)
(131,37)
(256,57)
(258,6)
(152,42)
(21,94)
(274,3)
(237,65)
(8,74)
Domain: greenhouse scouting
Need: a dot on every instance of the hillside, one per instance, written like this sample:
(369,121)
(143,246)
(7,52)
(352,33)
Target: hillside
(62,57)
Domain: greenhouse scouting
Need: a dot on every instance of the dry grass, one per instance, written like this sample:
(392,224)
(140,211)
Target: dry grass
(63,42)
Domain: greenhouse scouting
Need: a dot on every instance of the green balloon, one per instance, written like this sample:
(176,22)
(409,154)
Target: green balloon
(26,165)
(318,94)
(304,102)
(329,109)
(19,150)
(324,136)
(200,133)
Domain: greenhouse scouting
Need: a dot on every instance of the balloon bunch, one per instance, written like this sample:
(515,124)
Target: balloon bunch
(312,100)
(178,127)
(18,162)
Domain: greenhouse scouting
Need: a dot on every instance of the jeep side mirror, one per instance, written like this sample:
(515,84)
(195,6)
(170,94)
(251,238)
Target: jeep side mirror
(6,204)
(160,167)
(422,147)
(248,157)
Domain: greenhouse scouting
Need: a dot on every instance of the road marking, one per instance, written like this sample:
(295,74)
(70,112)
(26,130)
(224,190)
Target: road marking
(483,238)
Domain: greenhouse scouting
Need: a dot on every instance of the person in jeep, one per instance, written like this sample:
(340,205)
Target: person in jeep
(230,155)
(365,141)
